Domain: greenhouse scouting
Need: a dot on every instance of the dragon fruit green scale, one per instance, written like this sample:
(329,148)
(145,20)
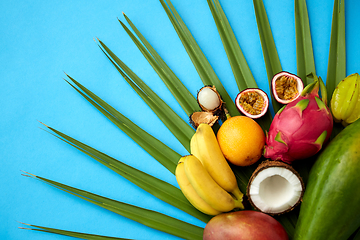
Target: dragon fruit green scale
(299,129)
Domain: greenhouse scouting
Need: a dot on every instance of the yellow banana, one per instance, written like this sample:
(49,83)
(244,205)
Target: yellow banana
(207,188)
(190,192)
(205,147)
(194,149)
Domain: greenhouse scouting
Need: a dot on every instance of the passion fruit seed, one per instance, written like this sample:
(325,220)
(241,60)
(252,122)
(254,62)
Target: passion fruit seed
(286,87)
(252,102)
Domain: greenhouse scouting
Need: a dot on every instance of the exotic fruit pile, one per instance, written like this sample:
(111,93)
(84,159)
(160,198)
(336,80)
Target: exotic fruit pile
(299,129)
(246,174)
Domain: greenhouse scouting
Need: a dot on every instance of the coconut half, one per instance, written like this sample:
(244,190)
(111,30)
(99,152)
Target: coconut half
(275,188)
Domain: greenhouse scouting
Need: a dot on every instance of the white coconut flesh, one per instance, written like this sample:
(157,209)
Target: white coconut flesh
(208,98)
(275,190)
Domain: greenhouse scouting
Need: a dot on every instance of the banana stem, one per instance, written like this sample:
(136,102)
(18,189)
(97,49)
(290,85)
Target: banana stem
(238,197)
(227,114)
(239,205)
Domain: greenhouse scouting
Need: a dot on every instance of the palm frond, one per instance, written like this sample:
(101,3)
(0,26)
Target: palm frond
(181,129)
(271,57)
(158,188)
(304,49)
(337,54)
(202,65)
(144,216)
(184,97)
(69,233)
(241,70)
(165,155)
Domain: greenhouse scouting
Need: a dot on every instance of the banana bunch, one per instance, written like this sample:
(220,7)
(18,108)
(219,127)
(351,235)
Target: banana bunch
(205,177)
(345,101)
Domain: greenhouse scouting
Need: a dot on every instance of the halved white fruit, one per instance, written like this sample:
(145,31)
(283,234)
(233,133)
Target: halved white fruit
(275,188)
(209,99)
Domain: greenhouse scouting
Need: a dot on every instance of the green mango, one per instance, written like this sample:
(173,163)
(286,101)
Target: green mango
(331,202)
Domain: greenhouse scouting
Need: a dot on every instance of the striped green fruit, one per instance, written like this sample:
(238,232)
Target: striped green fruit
(331,203)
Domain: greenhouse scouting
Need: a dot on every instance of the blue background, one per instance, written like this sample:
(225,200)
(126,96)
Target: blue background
(40,40)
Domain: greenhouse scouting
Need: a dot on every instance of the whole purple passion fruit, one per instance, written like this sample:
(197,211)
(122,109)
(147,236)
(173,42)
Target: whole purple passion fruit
(252,102)
(286,87)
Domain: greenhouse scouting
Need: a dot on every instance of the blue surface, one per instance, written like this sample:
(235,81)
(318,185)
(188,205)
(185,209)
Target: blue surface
(43,39)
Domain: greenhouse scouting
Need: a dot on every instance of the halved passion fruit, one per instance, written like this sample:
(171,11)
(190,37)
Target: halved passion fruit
(275,188)
(286,87)
(252,102)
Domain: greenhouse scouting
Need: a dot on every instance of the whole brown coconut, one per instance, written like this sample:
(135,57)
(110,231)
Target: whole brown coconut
(244,225)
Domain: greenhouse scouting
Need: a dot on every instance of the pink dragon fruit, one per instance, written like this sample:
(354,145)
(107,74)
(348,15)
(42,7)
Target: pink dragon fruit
(300,129)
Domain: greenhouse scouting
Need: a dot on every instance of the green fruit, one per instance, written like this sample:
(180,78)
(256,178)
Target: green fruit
(331,203)
(345,101)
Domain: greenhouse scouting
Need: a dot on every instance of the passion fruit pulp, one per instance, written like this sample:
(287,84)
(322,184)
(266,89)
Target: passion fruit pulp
(286,87)
(252,102)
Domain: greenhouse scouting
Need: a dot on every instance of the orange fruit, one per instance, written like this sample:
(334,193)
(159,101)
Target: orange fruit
(241,140)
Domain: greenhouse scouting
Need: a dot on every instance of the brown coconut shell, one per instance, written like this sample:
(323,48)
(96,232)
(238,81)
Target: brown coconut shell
(268,164)
(197,118)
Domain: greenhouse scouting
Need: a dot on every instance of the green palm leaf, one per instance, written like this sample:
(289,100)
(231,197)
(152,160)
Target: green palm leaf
(69,233)
(202,65)
(356,234)
(304,49)
(158,188)
(165,155)
(337,54)
(242,74)
(184,97)
(181,129)
(241,70)
(305,62)
(144,216)
(271,57)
